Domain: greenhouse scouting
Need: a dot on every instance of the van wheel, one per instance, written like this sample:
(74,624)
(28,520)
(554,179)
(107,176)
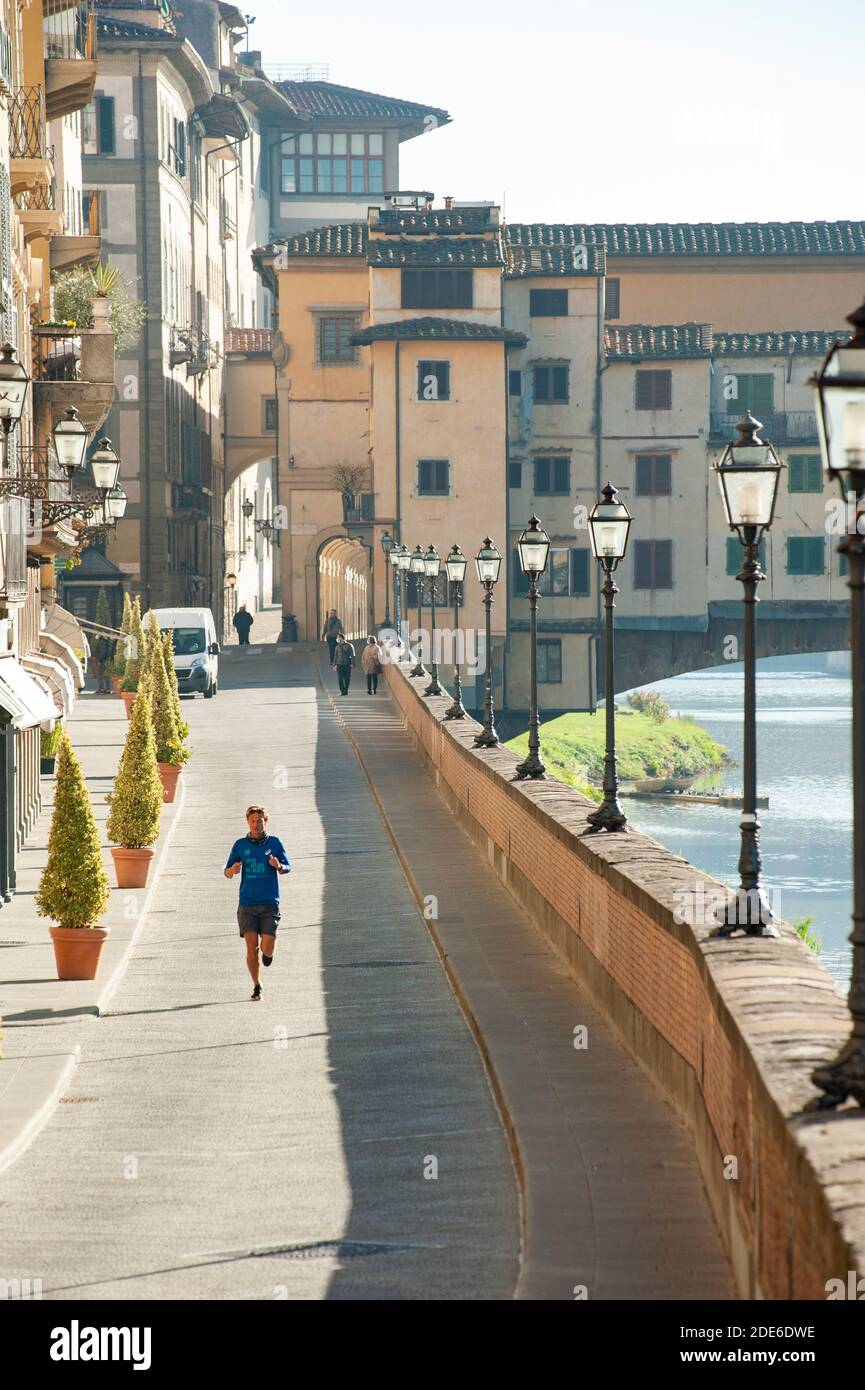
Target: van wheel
(215,688)
(208,694)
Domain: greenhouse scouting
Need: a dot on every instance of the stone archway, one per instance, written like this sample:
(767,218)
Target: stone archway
(342,581)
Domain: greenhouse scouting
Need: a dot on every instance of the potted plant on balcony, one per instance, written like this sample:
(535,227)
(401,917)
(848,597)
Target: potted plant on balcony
(48,746)
(102,298)
(73,889)
(170,752)
(136,801)
(135,661)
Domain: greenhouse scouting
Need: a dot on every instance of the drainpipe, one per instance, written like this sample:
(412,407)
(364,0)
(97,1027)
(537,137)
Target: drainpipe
(144,464)
(507,642)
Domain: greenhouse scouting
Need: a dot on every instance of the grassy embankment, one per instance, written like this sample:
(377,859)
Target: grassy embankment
(572,747)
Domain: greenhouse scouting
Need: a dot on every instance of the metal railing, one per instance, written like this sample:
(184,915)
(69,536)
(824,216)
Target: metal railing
(297,72)
(70,29)
(27,126)
(56,354)
(38,199)
(779,426)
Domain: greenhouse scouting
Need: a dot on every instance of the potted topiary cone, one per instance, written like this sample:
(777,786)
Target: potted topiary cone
(118,661)
(171,672)
(136,801)
(134,662)
(170,753)
(73,889)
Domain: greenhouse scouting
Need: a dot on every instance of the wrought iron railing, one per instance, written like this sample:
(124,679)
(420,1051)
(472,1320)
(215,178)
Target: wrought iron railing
(27,126)
(779,426)
(70,29)
(358,509)
(56,354)
(38,199)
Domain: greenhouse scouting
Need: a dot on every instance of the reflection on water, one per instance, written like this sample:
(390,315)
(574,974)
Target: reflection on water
(803,765)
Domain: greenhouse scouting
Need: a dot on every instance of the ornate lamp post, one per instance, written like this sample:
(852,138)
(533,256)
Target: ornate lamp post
(432,568)
(840,387)
(418,569)
(387,545)
(488,562)
(455,565)
(393,561)
(403,564)
(534,548)
(748,475)
(13,393)
(70,442)
(116,503)
(609,527)
(105,467)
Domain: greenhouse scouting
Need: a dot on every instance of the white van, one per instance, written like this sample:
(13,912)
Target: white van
(196,650)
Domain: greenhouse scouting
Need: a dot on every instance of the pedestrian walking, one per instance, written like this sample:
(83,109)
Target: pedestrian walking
(343,663)
(332,628)
(259,858)
(101,652)
(370,660)
(242,622)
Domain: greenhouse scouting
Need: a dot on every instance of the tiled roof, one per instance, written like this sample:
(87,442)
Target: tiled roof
(647,341)
(698,238)
(340,239)
(445,251)
(248,339)
(110,28)
(328,100)
(523,261)
(438,220)
(804,342)
(441,329)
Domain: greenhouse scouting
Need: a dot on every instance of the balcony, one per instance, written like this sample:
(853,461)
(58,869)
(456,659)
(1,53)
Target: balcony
(72,368)
(193,347)
(779,427)
(38,213)
(70,56)
(30,163)
(69,251)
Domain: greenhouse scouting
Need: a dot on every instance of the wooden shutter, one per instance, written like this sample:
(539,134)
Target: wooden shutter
(542,384)
(521,580)
(580,570)
(560,383)
(663,564)
(643,564)
(542,477)
(563,476)
(105,117)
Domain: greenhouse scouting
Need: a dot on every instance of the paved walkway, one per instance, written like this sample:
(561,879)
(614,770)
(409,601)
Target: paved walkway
(337,1140)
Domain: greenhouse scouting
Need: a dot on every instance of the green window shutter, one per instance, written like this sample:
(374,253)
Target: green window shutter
(805,555)
(795,473)
(804,473)
(762,403)
(105,115)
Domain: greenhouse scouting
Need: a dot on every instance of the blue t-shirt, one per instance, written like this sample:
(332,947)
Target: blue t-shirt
(259,881)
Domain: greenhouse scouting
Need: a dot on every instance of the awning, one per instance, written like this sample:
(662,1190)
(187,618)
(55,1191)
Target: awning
(54,646)
(57,680)
(25,699)
(63,624)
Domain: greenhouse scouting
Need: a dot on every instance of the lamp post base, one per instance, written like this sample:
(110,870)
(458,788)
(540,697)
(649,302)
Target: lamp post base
(418,669)
(609,816)
(434,688)
(747,911)
(842,1078)
(456,711)
(488,739)
(533,766)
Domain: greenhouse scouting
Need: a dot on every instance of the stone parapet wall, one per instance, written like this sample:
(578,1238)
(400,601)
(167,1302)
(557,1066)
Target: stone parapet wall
(729,1029)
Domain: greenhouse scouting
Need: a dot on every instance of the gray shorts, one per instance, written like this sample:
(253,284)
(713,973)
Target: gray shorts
(258,917)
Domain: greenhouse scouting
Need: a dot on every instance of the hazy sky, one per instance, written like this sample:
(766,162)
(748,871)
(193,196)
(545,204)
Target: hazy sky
(581,110)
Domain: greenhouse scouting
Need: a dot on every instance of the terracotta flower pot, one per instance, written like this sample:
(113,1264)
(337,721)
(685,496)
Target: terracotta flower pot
(77,951)
(116,682)
(129,701)
(132,866)
(168,775)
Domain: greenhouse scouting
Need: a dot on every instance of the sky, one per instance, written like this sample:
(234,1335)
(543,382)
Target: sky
(609,110)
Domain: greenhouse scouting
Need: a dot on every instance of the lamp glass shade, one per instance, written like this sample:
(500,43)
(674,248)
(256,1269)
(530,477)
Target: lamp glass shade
(488,562)
(404,557)
(230,580)
(248,507)
(393,555)
(456,564)
(418,565)
(13,385)
(116,503)
(70,441)
(432,563)
(840,388)
(105,466)
(534,547)
(387,542)
(609,527)
(748,491)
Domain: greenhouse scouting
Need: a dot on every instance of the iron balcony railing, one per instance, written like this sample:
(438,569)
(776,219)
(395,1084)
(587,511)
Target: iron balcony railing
(358,508)
(70,29)
(779,426)
(41,199)
(56,354)
(27,126)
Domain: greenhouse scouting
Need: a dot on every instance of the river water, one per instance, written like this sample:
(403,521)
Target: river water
(803,762)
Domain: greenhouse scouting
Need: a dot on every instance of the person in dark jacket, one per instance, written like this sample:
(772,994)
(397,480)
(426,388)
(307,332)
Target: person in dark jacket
(242,622)
(332,629)
(101,653)
(343,660)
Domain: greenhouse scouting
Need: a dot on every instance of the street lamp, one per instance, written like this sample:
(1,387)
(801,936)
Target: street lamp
(387,545)
(534,548)
(403,565)
(116,503)
(488,562)
(840,387)
(393,561)
(432,566)
(417,566)
(609,526)
(748,475)
(247,508)
(105,466)
(13,393)
(455,565)
(70,442)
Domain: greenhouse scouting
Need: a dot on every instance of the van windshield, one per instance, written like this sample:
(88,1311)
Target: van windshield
(188,641)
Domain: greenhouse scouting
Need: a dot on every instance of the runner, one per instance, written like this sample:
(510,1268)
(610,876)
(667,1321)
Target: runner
(260,859)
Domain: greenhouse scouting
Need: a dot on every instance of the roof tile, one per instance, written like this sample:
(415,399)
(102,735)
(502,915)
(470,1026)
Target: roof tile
(440,329)
(327,99)
(623,239)
(438,251)
(248,339)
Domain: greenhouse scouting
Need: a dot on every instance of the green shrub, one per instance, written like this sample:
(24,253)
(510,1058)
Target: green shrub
(135,663)
(103,617)
(74,291)
(169,745)
(117,666)
(802,928)
(73,890)
(49,743)
(136,801)
(651,703)
(168,658)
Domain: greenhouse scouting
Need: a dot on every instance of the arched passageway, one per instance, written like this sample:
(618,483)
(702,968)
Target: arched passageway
(342,582)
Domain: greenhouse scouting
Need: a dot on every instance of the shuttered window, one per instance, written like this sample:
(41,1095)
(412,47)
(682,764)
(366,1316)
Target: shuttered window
(805,555)
(581,571)
(549,661)
(433,381)
(433,478)
(553,476)
(612,308)
(804,473)
(653,390)
(653,564)
(515,383)
(437,289)
(551,383)
(515,474)
(754,391)
(653,475)
(105,125)
(547,304)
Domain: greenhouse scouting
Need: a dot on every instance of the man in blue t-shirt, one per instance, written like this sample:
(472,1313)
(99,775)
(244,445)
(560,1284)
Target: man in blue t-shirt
(259,858)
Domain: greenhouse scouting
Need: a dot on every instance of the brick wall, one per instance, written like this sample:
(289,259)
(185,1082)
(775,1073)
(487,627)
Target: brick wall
(729,1029)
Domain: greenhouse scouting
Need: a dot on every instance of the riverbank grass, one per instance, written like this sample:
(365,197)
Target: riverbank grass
(572,746)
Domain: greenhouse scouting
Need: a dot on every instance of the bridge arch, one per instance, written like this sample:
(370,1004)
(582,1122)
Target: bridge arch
(338,576)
